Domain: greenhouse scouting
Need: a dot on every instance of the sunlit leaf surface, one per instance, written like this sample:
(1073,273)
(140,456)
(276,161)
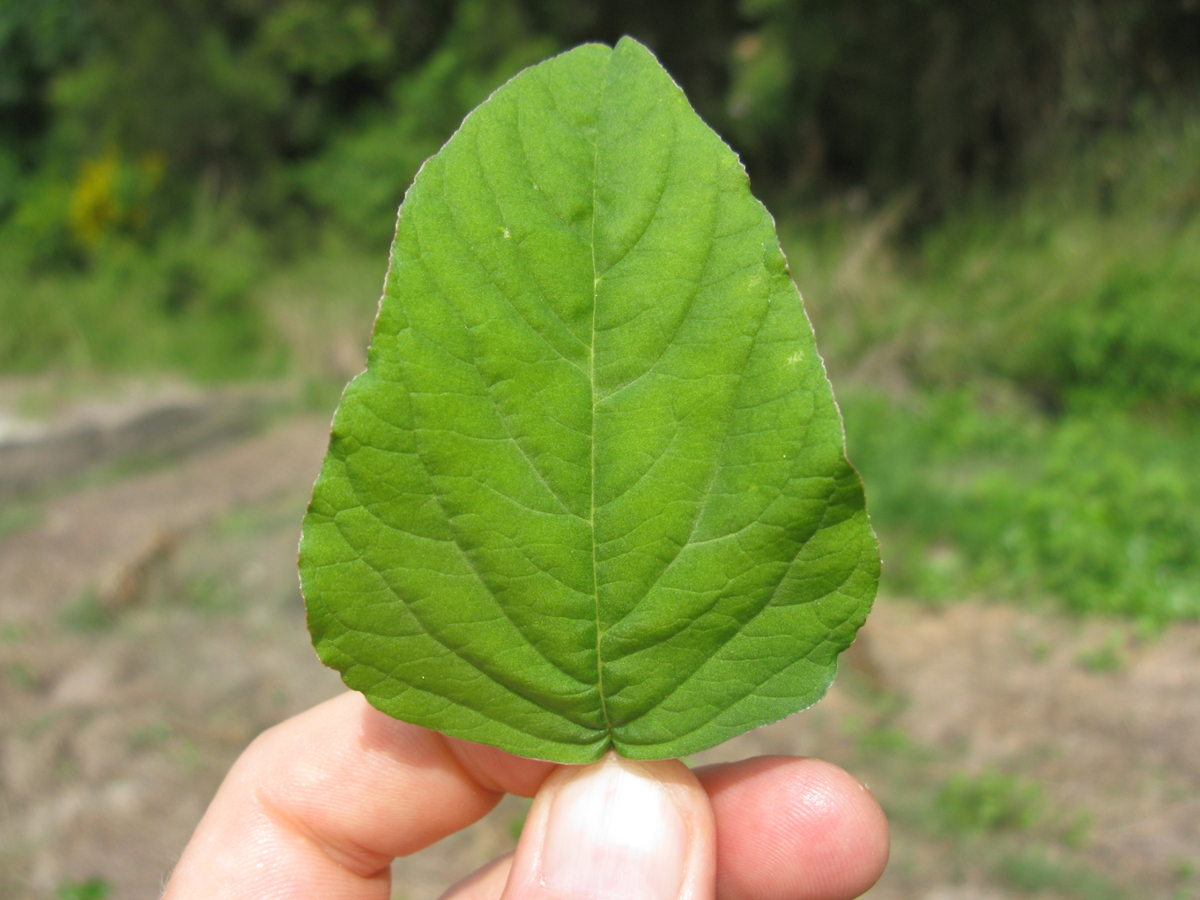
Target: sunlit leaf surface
(591,490)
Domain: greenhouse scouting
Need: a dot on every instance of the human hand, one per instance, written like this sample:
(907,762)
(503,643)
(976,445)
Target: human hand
(319,805)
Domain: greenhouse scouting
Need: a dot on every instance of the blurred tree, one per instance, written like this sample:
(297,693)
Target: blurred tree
(230,91)
(37,39)
(943,95)
(328,106)
(366,167)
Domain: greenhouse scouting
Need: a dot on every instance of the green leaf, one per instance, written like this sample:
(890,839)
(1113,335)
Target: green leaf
(591,491)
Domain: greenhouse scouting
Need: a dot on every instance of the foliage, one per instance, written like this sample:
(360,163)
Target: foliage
(306,108)
(989,801)
(943,95)
(591,490)
(1038,872)
(1019,382)
(1087,288)
(362,176)
(1098,509)
(187,307)
(92,889)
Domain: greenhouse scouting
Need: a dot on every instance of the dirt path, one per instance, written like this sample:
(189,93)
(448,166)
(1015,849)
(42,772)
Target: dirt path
(150,628)
(146,635)
(1109,725)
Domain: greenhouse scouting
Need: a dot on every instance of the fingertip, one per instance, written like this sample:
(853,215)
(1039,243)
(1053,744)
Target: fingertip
(616,828)
(790,828)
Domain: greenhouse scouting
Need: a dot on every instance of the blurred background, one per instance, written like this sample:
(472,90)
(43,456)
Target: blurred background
(993,213)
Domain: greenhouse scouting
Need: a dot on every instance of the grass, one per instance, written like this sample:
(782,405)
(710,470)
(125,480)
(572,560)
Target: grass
(1039,872)
(1020,383)
(210,594)
(989,801)
(87,615)
(149,737)
(971,826)
(23,677)
(1080,290)
(91,889)
(213,302)
(1105,658)
(187,306)
(17,515)
(975,496)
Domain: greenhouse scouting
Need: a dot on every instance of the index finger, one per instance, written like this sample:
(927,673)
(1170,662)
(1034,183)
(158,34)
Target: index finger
(319,805)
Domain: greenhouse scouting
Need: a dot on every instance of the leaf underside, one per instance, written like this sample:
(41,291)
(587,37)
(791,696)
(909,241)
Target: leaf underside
(591,490)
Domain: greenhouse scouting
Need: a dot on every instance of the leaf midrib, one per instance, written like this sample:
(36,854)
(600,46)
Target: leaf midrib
(592,399)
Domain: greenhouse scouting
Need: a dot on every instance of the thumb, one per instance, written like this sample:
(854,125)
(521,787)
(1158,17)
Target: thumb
(617,830)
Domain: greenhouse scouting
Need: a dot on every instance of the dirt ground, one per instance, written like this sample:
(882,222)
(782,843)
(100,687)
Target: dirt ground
(151,625)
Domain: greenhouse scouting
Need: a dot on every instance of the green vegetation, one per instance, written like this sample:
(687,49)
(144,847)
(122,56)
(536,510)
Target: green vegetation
(116,117)
(975,494)
(1038,872)
(16,515)
(1105,658)
(86,614)
(990,801)
(186,306)
(91,889)
(210,594)
(987,826)
(1020,382)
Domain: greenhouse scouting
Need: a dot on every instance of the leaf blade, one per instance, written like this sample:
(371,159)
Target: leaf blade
(594,411)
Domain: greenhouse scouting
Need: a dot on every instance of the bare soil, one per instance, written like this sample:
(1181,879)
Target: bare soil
(152,626)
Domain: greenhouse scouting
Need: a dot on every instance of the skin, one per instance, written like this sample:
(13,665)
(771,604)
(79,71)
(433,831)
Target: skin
(318,806)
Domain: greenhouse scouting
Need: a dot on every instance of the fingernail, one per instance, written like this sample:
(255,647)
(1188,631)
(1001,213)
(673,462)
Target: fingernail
(614,833)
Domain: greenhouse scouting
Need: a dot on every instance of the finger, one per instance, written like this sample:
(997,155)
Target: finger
(787,829)
(614,829)
(319,805)
(794,829)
